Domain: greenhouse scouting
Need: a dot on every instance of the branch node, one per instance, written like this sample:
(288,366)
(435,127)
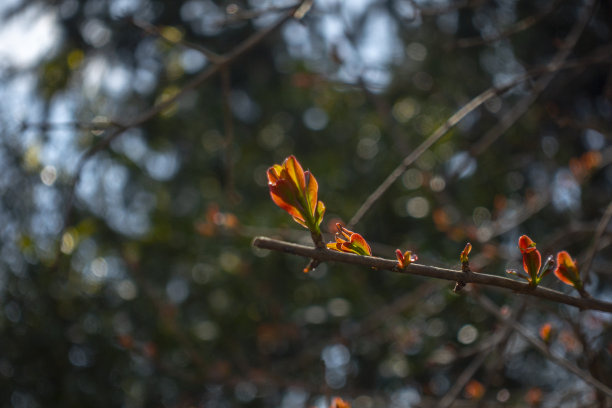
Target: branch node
(465,267)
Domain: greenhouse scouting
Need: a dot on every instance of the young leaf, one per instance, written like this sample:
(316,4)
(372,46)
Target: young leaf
(526,245)
(405,259)
(296,191)
(349,241)
(567,270)
(532,261)
(465,253)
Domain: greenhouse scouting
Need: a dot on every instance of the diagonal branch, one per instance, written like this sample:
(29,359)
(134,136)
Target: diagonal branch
(601,228)
(154,30)
(507,121)
(460,114)
(499,338)
(220,63)
(433,272)
(519,26)
(490,307)
(540,85)
(228,125)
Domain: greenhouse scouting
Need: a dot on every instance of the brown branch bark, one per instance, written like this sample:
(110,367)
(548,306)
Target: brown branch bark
(432,272)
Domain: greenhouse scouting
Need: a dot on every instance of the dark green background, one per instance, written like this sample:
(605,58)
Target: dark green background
(157,301)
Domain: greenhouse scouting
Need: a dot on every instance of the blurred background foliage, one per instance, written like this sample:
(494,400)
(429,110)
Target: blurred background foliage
(152,294)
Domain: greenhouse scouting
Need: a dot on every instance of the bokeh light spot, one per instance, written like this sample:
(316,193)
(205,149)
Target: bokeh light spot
(338,307)
(467,334)
(315,118)
(48,175)
(412,179)
(417,207)
(206,330)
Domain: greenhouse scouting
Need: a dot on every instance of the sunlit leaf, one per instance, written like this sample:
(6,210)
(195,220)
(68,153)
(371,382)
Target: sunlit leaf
(349,241)
(526,245)
(465,253)
(546,332)
(567,270)
(320,211)
(296,192)
(339,403)
(532,261)
(295,172)
(311,192)
(405,259)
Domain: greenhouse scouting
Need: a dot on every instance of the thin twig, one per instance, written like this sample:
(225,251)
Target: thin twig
(460,115)
(463,379)
(222,62)
(499,337)
(228,124)
(46,126)
(517,27)
(601,227)
(432,272)
(522,106)
(453,6)
(489,306)
(364,328)
(422,148)
(154,30)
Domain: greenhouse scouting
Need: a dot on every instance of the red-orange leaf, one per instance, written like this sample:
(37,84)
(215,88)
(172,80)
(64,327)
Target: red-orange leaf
(339,403)
(567,270)
(295,172)
(465,253)
(532,261)
(296,191)
(349,241)
(284,194)
(405,259)
(526,245)
(312,188)
(546,332)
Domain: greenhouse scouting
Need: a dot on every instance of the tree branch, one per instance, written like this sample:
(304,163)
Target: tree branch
(432,272)
(461,113)
(490,307)
(515,28)
(219,63)
(601,228)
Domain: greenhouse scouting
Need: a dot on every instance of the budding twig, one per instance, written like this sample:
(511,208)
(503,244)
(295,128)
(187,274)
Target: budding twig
(323,255)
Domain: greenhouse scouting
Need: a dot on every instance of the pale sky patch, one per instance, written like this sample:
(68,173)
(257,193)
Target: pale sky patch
(29,36)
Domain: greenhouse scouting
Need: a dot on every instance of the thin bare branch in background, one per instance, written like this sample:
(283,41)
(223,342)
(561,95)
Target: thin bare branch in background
(228,124)
(222,62)
(452,121)
(46,126)
(156,31)
(517,27)
(523,105)
(499,337)
(601,228)
(490,307)
(453,6)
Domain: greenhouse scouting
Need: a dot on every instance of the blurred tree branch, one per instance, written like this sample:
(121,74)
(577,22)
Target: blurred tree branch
(460,114)
(490,307)
(220,63)
(517,27)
